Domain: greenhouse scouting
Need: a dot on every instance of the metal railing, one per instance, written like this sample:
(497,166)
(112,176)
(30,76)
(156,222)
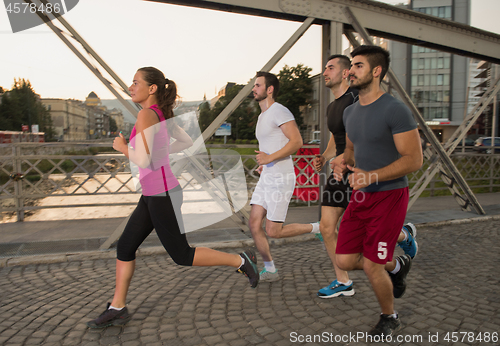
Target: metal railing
(30,172)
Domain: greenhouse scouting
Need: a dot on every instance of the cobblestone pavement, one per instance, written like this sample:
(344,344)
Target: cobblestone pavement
(453,286)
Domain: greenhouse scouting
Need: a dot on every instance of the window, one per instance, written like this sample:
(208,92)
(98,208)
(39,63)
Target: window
(447,62)
(434,63)
(417,97)
(440,62)
(414,80)
(433,112)
(446,80)
(440,79)
(446,96)
(439,96)
(414,64)
(421,63)
(427,79)
(426,96)
(447,12)
(420,79)
(435,11)
(433,79)
(427,63)
(426,113)
(434,96)
(442,12)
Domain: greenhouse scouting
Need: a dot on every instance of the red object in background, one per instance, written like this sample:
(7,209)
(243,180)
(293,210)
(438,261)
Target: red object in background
(17,136)
(306,177)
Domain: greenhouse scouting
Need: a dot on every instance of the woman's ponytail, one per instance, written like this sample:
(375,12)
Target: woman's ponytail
(166,90)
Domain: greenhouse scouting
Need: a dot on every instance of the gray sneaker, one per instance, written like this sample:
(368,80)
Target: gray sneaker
(266,276)
(386,326)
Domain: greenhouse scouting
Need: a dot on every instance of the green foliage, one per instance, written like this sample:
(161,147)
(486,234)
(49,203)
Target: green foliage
(112,125)
(243,120)
(22,106)
(295,89)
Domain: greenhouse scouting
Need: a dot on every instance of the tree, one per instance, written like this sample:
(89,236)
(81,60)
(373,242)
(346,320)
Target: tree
(22,106)
(295,89)
(205,118)
(113,127)
(243,120)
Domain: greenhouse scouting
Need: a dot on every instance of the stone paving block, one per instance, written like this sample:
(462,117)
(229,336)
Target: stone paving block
(148,339)
(238,342)
(168,335)
(131,343)
(207,331)
(213,339)
(194,300)
(54,338)
(30,341)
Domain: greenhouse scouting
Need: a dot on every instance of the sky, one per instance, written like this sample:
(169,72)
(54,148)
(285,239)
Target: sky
(201,50)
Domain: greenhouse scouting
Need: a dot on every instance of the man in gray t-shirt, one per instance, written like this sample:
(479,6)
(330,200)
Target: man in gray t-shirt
(371,129)
(382,146)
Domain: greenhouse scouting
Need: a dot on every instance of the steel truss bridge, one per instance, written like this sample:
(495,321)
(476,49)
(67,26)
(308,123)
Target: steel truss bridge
(367,18)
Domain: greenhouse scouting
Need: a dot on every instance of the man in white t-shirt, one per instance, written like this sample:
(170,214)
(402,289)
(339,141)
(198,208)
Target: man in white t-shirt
(279,138)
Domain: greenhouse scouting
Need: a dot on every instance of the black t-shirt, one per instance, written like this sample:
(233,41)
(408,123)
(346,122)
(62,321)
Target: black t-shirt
(334,114)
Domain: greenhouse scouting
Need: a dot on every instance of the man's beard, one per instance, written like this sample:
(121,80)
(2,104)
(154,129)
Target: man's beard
(362,84)
(259,98)
(331,83)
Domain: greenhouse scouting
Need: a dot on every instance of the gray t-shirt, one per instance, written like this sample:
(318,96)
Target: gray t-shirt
(371,128)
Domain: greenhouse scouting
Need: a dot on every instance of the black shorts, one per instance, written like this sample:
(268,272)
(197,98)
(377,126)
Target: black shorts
(336,193)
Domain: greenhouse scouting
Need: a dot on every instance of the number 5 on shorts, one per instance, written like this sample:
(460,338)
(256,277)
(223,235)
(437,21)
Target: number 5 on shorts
(382,251)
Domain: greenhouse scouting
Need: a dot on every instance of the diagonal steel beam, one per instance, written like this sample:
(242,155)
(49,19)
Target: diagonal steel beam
(453,141)
(380,19)
(49,20)
(445,159)
(238,99)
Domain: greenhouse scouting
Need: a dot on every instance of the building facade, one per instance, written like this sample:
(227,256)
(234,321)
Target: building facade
(436,81)
(97,118)
(310,114)
(69,118)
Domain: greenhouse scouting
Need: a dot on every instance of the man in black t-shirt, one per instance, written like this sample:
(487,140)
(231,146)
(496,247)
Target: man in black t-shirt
(336,194)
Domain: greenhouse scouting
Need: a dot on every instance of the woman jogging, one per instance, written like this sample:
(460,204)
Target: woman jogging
(160,203)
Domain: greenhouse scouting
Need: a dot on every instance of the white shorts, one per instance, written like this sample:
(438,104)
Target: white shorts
(274,192)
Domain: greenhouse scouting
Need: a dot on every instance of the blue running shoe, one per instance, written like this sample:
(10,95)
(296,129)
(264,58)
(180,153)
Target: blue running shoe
(336,289)
(410,245)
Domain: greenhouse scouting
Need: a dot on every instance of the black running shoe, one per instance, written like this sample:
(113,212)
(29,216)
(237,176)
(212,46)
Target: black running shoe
(110,317)
(386,326)
(250,267)
(399,279)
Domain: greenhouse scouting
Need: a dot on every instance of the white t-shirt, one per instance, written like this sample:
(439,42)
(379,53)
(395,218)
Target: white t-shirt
(271,138)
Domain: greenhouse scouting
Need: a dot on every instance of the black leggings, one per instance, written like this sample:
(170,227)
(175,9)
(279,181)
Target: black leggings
(159,213)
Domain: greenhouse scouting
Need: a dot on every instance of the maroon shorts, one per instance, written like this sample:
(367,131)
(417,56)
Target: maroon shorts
(371,224)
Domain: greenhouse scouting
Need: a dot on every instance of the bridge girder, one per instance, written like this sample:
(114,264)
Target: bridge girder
(379,19)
